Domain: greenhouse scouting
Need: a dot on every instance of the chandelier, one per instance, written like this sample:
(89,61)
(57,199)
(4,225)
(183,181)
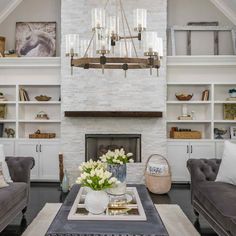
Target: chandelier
(112,44)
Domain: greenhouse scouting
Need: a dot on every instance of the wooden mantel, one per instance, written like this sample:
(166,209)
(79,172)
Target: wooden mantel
(154,114)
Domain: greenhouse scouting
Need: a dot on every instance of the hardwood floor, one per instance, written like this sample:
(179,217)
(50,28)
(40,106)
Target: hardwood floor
(42,193)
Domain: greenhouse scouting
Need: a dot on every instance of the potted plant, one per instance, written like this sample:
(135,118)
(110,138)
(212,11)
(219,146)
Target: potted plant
(116,164)
(232,93)
(95,177)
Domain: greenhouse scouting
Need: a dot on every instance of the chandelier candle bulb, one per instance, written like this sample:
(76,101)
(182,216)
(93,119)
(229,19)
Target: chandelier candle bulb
(140,20)
(150,43)
(72,45)
(160,47)
(98,18)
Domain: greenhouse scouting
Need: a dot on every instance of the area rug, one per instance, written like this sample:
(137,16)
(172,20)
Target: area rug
(175,221)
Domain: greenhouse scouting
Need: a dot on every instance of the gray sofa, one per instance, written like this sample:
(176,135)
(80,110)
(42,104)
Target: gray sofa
(215,201)
(14,198)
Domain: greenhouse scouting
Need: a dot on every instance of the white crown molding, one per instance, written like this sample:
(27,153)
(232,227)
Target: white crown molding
(9,9)
(225,9)
(30,62)
(201,61)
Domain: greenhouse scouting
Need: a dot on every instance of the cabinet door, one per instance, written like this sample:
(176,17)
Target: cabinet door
(30,149)
(202,150)
(178,154)
(49,163)
(9,147)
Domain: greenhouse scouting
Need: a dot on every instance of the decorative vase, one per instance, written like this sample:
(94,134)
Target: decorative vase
(96,202)
(119,172)
(65,183)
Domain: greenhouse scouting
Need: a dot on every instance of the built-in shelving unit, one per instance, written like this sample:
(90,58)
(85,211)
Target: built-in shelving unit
(21,115)
(208,114)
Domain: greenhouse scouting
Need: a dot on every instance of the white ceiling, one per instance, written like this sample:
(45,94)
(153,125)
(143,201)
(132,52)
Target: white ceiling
(6,7)
(228,7)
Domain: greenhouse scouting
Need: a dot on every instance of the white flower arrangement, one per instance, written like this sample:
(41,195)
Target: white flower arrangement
(97,179)
(87,167)
(117,157)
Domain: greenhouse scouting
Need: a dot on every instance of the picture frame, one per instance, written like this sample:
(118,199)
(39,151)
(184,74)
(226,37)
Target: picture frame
(2,46)
(233,132)
(229,111)
(205,95)
(36,39)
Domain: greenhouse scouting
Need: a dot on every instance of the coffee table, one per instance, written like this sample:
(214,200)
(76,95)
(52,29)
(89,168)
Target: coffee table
(153,226)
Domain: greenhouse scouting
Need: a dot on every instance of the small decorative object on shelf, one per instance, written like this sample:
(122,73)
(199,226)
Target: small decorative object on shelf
(1,129)
(95,177)
(232,93)
(229,111)
(184,96)
(10,132)
(40,135)
(233,132)
(3,111)
(157,174)
(185,115)
(2,46)
(10,53)
(116,164)
(23,95)
(65,183)
(177,133)
(2,97)
(205,95)
(42,116)
(219,132)
(43,98)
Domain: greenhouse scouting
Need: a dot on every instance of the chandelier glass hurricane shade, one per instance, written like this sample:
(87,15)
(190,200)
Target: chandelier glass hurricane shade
(111,32)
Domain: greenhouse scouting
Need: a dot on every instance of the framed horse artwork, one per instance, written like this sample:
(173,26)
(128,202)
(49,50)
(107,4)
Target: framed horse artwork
(36,39)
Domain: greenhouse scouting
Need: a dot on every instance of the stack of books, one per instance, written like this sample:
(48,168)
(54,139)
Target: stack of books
(23,95)
(231,99)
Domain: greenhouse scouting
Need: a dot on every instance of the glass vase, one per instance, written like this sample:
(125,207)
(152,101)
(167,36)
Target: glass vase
(96,202)
(119,172)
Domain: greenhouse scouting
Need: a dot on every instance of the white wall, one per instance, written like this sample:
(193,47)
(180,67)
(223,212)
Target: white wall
(31,10)
(90,90)
(180,12)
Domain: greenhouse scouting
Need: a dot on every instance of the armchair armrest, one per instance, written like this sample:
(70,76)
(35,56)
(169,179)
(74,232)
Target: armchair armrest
(19,168)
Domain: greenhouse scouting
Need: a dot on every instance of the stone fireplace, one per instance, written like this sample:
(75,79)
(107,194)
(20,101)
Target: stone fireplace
(98,144)
(90,90)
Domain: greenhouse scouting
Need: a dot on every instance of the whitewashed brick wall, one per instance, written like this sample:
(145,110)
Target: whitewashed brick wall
(90,90)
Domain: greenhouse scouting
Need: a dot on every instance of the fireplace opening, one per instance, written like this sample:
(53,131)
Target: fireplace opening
(98,144)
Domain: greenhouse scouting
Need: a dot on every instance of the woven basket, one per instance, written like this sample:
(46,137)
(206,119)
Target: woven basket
(158,184)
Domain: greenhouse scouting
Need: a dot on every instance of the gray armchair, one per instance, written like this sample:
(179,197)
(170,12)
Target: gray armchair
(215,201)
(15,197)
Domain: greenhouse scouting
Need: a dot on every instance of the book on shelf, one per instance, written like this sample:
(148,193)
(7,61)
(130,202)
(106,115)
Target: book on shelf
(23,95)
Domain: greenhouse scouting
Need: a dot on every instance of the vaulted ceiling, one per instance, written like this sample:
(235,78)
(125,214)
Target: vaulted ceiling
(228,7)
(7,7)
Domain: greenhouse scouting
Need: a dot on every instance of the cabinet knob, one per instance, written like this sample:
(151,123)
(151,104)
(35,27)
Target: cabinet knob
(187,149)
(36,147)
(191,149)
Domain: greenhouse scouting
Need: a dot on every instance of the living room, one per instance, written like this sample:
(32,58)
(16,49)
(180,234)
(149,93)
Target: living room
(141,94)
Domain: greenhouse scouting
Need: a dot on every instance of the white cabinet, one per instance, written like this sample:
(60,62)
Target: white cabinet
(179,152)
(45,154)
(202,150)
(49,164)
(9,147)
(29,149)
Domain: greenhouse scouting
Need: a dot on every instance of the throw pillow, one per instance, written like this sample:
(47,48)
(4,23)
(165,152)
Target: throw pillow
(5,169)
(2,179)
(227,171)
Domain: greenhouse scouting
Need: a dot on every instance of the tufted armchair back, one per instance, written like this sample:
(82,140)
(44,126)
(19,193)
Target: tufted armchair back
(202,170)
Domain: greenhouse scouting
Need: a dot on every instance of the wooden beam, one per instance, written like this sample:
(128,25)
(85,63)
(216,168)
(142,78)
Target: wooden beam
(138,114)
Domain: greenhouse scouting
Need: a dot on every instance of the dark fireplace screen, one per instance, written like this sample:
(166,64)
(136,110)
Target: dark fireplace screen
(98,144)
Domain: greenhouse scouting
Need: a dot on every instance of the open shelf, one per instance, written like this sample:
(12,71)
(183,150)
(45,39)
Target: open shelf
(189,102)
(39,121)
(40,103)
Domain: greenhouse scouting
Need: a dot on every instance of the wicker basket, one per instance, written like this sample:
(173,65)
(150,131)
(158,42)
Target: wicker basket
(186,135)
(158,183)
(42,136)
